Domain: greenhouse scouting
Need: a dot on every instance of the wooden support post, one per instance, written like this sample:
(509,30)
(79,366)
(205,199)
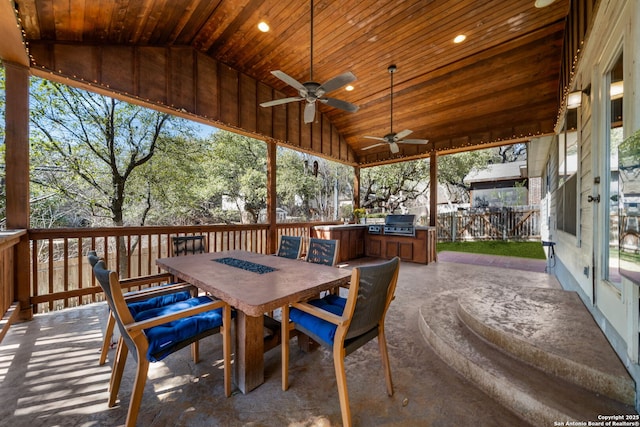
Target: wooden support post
(356,187)
(272,198)
(17,177)
(433,189)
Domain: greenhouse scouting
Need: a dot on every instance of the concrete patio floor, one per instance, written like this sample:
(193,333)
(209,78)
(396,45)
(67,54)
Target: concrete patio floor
(50,375)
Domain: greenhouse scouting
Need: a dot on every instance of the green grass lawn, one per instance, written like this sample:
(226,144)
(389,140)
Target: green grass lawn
(496,247)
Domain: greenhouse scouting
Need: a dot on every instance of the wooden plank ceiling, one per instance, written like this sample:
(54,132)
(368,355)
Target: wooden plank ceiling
(500,85)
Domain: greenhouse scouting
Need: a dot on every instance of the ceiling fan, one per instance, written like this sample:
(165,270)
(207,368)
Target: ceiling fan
(313,91)
(393,139)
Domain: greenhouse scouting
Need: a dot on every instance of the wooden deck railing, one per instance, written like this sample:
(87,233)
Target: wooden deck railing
(8,242)
(61,276)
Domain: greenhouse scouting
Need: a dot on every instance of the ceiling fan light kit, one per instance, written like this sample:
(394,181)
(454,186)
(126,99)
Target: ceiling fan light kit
(393,139)
(311,91)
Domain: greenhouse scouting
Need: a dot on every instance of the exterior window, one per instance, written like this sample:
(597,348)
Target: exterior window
(566,194)
(614,90)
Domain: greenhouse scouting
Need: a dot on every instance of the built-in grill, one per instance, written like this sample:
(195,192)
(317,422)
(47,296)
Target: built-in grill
(400,225)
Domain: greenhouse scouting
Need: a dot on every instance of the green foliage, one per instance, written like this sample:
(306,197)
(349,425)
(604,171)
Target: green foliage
(454,167)
(346,211)
(94,151)
(629,151)
(237,169)
(359,213)
(496,247)
(388,187)
(307,196)
(296,184)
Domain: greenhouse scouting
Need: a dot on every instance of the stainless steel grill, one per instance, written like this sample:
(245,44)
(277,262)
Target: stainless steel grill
(400,225)
(375,229)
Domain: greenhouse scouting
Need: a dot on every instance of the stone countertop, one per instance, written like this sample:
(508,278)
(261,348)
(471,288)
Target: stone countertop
(346,226)
(339,226)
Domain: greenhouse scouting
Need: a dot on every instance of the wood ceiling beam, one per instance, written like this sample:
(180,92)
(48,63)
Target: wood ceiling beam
(12,46)
(186,83)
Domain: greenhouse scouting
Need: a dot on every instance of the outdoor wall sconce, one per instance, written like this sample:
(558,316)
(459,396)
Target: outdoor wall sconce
(574,99)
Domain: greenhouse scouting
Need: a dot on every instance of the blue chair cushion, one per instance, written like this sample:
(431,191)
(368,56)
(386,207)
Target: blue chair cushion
(325,331)
(160,301)
(163,339)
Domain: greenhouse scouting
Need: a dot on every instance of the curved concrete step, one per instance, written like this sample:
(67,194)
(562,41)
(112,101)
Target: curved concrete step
(536,396)
(546,328)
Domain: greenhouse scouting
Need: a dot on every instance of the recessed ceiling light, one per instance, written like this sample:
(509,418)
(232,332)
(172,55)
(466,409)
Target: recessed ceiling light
(460,38)
(543,3)
(348,88)
(263,26)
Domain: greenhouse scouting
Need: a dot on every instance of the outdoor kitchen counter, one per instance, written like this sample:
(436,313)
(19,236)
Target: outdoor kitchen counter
(351,237)
(356,242)
(420,248)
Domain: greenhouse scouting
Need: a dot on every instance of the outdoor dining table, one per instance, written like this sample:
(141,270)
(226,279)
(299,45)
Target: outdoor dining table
(253,284)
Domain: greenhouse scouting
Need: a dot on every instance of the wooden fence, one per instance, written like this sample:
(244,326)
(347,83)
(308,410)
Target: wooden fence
(61,277)
(517,223)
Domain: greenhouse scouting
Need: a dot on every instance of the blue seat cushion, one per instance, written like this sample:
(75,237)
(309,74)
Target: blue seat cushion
(166,338)
(155,302)
(325,331)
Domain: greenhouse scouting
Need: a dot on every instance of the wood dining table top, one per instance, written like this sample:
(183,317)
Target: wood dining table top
(255,283)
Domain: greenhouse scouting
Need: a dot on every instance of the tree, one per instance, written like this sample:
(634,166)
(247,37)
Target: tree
(296,183)
(90,148)
(311,187)
(453,168)
(511,153)
(238,170)
(389,187)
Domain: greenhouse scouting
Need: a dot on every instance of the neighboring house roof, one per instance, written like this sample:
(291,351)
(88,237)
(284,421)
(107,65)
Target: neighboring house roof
(498,172)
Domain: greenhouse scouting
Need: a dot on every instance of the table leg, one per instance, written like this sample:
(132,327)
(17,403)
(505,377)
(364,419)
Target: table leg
(249,357)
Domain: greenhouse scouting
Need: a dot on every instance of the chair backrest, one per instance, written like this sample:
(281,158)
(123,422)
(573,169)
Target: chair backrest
(110,285)
(188,245)
(290,247)
(369,299)
(323,251)
(93,258)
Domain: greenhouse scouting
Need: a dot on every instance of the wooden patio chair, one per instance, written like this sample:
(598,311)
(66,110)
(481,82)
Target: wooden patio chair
(346,324)
(143,299)
(290,247)
(186,245)
(154,334)
(323,251)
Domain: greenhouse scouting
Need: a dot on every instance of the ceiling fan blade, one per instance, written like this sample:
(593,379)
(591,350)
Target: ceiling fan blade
(309,112)
(414,141)
(374,145)
(394,147)
(375,137)
(289,80)
(337,82)
(280,101)
(402,134)
(337,103)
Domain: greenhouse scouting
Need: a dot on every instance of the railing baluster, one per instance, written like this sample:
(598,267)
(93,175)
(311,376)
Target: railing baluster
(65,270)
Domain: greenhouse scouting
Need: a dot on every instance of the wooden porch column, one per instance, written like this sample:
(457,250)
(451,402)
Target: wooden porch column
(17,176)
(356,187)
(272,199)
(433,189)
